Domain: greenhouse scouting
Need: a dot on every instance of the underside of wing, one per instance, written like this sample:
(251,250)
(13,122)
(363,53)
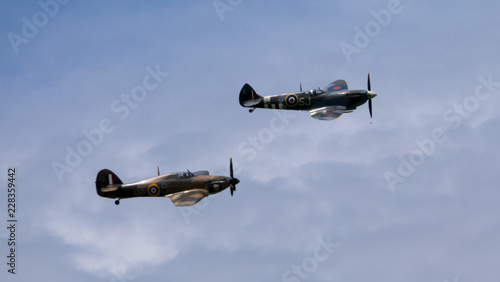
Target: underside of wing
(188,198)
(337,87)
(328,113)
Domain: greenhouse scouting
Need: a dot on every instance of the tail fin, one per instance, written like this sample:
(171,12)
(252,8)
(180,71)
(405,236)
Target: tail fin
(106,177)
(248,96)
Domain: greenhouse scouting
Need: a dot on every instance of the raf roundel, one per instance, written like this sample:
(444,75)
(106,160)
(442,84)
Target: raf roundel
(153,190)
(291,100)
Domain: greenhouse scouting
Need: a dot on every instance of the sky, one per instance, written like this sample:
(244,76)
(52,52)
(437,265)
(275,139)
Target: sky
(409,195)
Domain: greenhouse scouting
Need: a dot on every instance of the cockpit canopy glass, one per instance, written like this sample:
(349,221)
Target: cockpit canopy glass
(315,92)
(186,174)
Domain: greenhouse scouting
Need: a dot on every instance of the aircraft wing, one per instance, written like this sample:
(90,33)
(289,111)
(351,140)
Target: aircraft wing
(188,198)
(337,87)
(328,113)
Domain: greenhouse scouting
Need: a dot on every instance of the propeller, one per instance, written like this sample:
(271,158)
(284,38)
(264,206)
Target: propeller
(370,95)
(233,181)
(369,85)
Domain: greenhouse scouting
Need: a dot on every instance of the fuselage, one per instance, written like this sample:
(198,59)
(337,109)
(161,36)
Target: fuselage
(305,101)
(326,104)
(165,185)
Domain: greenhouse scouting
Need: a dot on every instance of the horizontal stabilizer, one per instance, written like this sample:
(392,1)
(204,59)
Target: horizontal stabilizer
(110,188)
(251,103)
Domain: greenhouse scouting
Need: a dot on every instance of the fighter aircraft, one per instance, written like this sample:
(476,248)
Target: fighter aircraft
(183,188)
(327,104)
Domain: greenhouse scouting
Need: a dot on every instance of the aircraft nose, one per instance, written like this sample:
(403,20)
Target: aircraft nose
(371,94)
(232,181)
(226,181)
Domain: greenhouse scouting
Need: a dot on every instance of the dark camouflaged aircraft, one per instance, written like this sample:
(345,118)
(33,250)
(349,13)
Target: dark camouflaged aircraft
(183,188)
(327,104)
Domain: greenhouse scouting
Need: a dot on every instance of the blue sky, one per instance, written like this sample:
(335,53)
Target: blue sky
(410,195)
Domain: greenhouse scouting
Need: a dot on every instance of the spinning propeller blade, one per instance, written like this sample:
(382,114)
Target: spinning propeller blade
(233,181)
(370,95)
(369,85)
(370,107)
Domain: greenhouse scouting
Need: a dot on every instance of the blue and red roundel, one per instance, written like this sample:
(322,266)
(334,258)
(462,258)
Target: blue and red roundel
(189,199)
(330,116)
(291,100)
(337,87)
